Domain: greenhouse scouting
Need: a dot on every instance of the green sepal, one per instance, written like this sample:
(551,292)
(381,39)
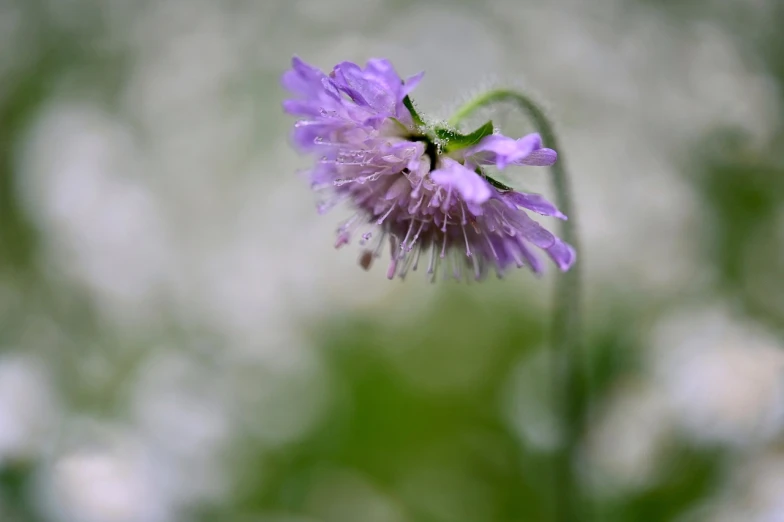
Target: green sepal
(414,114)
(494,182)
(453,140)
(402,127)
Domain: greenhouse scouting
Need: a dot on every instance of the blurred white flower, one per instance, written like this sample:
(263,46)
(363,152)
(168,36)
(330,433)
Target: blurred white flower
(280,402)
(755,492)
(116,483)
(27,407)
(723,378)
(182,414)
(766,485)
(440,489)
(101,224)
(528,402)
(628,440)
(346,496)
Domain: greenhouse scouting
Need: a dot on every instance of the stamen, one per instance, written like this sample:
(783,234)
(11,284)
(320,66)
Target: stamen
(416,236)
(319,186)
(434,261)
(415,208)
(415,192)
(477,267)
(416,258)
(431,267)
(361,180)
(380,244)
(392,269)
(435,199)
(393,260)
(342,239)
(490,244)
(325,206)
(405,239)
(445,268)
(443,248)
(445,203)
(392,245)
(512,251)
(347,223)
(457,267)
(391,208)
(465,237)
(406,266)
(365,237)
(355,154)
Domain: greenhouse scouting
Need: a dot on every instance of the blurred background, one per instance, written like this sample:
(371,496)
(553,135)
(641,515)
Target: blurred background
(179,341)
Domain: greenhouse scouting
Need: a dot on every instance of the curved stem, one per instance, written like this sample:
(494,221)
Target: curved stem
(566,320)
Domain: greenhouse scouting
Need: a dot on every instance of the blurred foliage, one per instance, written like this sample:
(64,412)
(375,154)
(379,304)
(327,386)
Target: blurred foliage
(385,428)
(742,186)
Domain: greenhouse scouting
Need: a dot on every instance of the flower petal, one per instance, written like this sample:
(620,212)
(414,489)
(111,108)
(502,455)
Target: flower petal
(468,183)
(411,83)
(502,151)
(534,202)
(539,158)
(534,263)
(531,230)
(367,88)
(302,78)
(383,70)
(563,254)
(302,107)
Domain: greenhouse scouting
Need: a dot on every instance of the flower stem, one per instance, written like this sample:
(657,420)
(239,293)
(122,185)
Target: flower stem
(566,319)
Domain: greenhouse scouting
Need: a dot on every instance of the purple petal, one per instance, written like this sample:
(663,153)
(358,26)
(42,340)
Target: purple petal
(367,89)
(345,76)
(503,151)
(330,88)
(383,70)
(534,202)
(468,183)
(532,231)
(536,265)
(305,69)
(411,83)
(302,107)
(322,173)
(306,133)
(302,78)
(562,254)
(539,158)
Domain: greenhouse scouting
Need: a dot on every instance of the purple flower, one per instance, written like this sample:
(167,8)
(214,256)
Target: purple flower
(423,189)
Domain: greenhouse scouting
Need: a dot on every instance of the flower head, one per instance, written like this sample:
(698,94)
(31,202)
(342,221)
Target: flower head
(423,189)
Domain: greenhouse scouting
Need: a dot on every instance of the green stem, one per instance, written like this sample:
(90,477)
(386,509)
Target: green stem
(566,336)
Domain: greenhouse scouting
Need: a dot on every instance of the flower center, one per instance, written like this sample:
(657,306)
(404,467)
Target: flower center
(431,149)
